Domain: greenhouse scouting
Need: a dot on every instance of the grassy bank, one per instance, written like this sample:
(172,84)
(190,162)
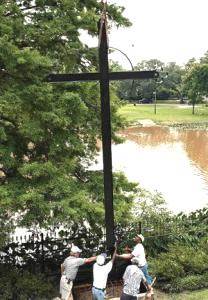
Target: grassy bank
(166,113)
(196,295)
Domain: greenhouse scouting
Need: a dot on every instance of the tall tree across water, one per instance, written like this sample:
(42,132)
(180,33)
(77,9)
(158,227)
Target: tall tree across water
(196,81)
(48,134)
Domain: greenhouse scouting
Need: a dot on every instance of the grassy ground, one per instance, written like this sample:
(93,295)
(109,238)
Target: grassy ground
(165,113)
(196,295)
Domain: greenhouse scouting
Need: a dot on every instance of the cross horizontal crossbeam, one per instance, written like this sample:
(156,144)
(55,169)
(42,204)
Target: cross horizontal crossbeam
(96,76)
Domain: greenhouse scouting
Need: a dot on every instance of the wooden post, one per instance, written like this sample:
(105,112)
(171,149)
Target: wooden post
(106,135)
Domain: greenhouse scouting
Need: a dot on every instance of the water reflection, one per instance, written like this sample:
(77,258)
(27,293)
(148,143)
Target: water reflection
(152,136)
(195,142)
(196,146)
(171,161)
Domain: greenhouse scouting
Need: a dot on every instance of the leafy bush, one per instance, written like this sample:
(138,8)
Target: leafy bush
(22,285)
(182,267)
(192,282)
(166,268)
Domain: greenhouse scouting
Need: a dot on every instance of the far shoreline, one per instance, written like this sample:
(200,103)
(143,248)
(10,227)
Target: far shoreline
(171,115)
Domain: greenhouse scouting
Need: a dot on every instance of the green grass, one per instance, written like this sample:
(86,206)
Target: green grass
(166,113)
(195,295)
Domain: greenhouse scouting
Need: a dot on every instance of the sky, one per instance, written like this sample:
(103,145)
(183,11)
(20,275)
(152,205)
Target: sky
(169,30)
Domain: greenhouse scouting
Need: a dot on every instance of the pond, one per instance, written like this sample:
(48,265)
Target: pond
(169,160)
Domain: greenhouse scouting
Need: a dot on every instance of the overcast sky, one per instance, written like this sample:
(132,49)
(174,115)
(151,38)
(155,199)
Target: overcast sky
(169,30)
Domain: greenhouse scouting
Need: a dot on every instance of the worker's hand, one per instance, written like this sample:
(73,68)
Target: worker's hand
(149,292)
(149,288)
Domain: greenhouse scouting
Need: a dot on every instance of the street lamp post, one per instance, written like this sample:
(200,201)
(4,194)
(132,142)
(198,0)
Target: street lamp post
(155,93)
(132,67)
(155,106)
(114,48)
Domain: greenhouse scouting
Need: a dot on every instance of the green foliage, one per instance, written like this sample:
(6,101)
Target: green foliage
(182,265)
(188,283)
(196,79)
(186,254)
(169,86)
(22,285)
(176,245)
(195,82)
(193,226)
(151,214)
(49,132)
(163,93)
(124,194)
(180,82)
(204,58)
(151,208)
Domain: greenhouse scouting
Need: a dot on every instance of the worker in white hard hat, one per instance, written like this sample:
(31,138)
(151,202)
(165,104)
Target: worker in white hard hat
(100,275)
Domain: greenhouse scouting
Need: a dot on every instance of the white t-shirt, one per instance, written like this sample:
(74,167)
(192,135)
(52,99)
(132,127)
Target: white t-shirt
(139,253)
(100,274)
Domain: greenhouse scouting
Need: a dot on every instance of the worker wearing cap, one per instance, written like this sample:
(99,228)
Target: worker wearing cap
(100,275)
(69,270)
(139,253)
(132,278)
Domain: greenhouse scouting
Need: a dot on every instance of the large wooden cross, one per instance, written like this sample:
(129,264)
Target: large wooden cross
(103,76)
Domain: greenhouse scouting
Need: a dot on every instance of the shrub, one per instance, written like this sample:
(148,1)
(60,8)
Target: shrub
(166,269)
(16,284)
(182,267)
(191,283)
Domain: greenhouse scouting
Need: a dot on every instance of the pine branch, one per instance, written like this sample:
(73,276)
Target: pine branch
(9,14)
(7,119)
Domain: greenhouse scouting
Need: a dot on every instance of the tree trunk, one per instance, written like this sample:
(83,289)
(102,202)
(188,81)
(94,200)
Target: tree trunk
(193,108)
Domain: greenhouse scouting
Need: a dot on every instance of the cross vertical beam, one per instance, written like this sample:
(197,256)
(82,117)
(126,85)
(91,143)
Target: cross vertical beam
(104,77)
(106,134)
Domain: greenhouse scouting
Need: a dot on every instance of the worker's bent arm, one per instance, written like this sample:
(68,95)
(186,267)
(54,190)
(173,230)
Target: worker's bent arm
(90,259)
(125,256)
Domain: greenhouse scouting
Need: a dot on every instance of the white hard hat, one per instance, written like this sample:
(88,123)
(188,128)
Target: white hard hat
(75,249)
(141,237)
(100,260)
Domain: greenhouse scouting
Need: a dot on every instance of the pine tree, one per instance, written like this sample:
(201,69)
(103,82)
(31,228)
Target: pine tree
(48,133)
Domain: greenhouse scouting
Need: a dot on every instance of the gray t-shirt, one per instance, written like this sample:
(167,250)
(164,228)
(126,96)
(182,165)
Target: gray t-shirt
(132,279)
(71,266)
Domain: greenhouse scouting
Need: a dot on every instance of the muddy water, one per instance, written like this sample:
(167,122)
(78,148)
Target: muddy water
(171,161)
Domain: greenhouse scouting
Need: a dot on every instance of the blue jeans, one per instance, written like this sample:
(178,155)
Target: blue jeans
(98,294)
(146,274)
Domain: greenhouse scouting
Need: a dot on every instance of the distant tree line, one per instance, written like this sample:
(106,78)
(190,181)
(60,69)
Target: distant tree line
(175,82)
